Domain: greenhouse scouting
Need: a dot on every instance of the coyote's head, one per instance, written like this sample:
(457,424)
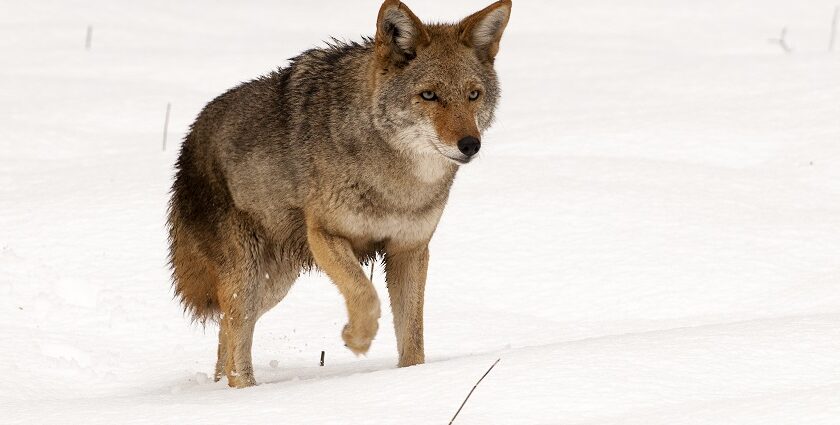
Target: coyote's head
(435,88)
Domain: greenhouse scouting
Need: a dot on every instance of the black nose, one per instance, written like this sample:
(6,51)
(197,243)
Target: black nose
(469,145)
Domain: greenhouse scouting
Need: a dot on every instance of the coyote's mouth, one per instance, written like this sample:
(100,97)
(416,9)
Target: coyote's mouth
(459,159)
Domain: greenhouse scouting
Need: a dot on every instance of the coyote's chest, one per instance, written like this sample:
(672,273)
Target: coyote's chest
(402,228)
(390,215)
(386,207)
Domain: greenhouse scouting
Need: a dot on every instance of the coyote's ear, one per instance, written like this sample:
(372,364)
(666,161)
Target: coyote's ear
(483,30)
(399,33)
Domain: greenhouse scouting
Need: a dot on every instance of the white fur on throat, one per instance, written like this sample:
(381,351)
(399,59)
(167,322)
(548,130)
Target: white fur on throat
(431,158)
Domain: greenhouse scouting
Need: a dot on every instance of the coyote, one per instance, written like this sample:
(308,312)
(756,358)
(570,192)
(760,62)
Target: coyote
(346,154)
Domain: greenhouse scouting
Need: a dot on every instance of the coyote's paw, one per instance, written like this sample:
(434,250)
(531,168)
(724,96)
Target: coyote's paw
(244,380)
(358,338)
(359,333)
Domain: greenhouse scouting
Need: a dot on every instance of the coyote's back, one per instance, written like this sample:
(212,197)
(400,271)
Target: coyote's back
(347,153)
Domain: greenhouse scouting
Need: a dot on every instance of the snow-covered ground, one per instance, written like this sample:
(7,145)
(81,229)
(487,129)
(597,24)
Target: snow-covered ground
(651,234)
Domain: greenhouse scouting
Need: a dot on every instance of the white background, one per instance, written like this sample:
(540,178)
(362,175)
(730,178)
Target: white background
(651,234)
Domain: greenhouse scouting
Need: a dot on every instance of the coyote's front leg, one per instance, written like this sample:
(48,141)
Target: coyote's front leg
(335,256)
(406,276)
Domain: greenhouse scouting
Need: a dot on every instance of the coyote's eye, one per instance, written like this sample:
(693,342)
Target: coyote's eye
(429,95)
(474,94)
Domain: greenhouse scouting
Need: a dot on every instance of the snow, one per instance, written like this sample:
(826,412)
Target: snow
(650,236)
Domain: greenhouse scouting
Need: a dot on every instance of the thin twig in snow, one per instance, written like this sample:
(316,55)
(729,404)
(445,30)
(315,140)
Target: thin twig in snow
(834,28)
(371,270)
(782,41)
(89,37)
(473,389)
(166,124)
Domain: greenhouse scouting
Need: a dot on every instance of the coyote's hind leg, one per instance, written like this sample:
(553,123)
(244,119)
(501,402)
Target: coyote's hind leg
(236,337)
(238,297)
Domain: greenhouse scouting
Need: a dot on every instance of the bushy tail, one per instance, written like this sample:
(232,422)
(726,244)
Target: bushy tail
(195,279)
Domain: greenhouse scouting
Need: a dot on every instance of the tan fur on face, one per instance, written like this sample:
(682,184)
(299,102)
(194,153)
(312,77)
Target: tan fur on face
(454,120)
(329,162)
(453,115)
